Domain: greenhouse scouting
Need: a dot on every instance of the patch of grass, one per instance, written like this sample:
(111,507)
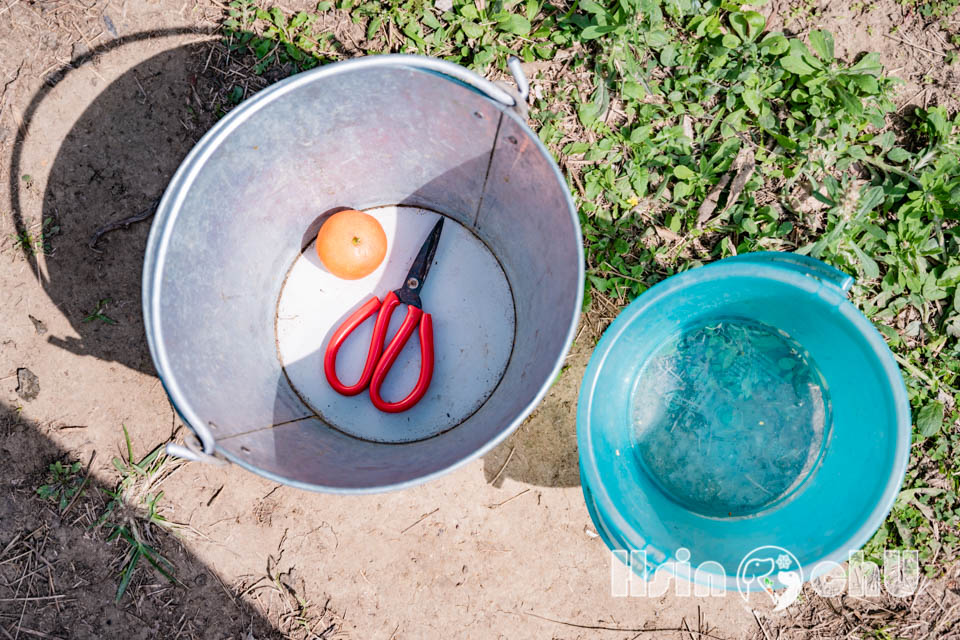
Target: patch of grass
(62,484)
(133,509)
(474,34)
(933,8)
(99,314)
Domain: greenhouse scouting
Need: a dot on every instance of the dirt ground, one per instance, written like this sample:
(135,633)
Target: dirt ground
(98,105)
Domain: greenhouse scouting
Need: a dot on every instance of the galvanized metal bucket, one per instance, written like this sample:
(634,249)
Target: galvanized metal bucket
(237,319)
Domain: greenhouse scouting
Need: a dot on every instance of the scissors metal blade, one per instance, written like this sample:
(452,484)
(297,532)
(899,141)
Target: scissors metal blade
(409,293)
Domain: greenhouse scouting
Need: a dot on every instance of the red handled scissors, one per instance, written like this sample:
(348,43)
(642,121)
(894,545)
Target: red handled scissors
(380,360)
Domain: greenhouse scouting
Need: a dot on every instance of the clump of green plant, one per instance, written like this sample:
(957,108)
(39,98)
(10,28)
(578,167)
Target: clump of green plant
(32,243)
(933,8)
(63,483)
(99,314)
(132,511)
(474,34)
(830,174)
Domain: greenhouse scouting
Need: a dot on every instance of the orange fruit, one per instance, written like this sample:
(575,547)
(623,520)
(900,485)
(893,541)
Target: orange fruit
(351,244)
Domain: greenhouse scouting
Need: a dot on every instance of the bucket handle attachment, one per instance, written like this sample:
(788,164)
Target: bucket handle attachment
(803,264)
(192,450)
(523,85)
(507,96)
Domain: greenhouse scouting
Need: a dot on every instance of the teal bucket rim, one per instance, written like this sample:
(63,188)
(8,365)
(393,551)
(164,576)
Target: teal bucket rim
(808,275)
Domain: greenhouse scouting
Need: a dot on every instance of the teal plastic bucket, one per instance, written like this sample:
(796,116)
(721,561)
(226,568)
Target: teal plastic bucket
(742,405)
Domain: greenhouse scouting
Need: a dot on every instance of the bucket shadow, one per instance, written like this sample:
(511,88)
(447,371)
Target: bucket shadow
(115,162)
(543,450)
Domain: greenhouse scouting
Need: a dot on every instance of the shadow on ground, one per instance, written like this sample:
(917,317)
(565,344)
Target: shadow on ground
(114,163)
(59,576)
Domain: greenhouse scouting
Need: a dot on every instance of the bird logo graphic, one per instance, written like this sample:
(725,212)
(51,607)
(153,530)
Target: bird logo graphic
(772,570)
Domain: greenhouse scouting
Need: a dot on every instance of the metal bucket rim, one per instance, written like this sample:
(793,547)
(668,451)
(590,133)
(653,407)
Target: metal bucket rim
(174,195)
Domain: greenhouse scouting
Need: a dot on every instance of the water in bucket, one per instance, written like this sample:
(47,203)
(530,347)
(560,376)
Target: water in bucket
(730,416)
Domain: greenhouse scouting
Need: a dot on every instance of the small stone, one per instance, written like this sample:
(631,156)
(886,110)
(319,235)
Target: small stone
(40,327)
(444,5)
(80,49)
(29,384)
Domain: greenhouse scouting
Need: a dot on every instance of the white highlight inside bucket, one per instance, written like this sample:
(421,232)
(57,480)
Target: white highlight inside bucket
(468,296)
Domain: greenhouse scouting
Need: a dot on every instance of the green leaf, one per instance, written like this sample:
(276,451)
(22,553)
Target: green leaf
(795,64)
(634,90)
(430,20)
(822,43)
(937,116)
(950,276)
(851,103)
(298,20)
(587,112)
(471,29)
(326,5)
(869,199)
(751,98)
(869,64)
(513,23)
(739,24)
(656,38)
(756,21)
(775,43)
(684,173)
(730,41)
(785,142)
(866,83)
(277,18)
(898,154)
(595,31)
(533,8)
(128,572)
(374,27)
(930,419)
(748,24)
(870,268)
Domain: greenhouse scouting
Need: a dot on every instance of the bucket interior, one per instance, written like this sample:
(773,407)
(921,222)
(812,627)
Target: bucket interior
(831,480)
(233,237)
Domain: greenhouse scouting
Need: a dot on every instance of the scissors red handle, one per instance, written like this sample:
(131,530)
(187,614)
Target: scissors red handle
(377,366)
(373,354)
(413,318)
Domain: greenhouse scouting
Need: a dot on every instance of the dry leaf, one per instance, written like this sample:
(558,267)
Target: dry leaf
(743,164)
(709,205)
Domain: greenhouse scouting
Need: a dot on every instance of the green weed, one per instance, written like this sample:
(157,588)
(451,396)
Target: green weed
(63,483)
(99,314)
(32,243)
(132,511)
